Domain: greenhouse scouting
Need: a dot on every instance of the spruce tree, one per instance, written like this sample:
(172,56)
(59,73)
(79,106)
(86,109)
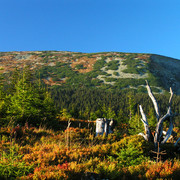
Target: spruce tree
(30,102)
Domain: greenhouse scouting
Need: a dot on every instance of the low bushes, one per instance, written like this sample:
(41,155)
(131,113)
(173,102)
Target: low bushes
(49,157)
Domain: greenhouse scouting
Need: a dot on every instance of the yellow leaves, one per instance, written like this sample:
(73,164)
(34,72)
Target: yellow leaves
(52,159)
(162,169)
(49,172)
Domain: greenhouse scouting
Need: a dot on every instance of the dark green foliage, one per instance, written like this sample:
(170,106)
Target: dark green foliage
(61,70)
(133,65)
(125,83)
(130,151)
(154,80)
(81,98)
(27,101)
(103,111)
(112,65)
(100,63)
(116,73)
(80,66)
(141,89)
(110,79)
(135,125)
(3,108)
(77,100)
(13,167)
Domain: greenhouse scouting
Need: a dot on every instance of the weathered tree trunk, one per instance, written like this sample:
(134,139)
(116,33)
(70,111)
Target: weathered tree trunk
(160,119)
(104,125)
(100,126)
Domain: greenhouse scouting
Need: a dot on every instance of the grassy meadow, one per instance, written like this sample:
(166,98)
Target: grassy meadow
(75,153)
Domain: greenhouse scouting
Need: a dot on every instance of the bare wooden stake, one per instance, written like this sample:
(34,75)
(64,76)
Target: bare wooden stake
(158,153)
(68,135)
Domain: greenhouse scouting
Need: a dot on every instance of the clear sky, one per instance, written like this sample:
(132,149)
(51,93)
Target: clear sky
(141,26)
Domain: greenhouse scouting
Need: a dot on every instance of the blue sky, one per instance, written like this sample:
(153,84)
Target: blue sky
(141,26)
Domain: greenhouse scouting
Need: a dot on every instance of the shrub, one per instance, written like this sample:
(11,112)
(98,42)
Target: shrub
(80,66)
(129,151)
(112,65)
(11,164)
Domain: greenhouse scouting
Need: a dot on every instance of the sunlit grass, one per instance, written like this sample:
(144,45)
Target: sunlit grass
(43,153)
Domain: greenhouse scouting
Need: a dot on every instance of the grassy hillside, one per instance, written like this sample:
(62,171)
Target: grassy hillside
(108,70)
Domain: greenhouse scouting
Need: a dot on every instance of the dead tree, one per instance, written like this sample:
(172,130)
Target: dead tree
(158,135)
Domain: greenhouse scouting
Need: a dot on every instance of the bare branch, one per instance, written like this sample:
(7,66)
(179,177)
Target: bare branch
(170,99)
(69,123)
(159,126)
(142,113)
(176,143)
(169,132)
(156,107)
(148,134)
(144,136)
(168,114)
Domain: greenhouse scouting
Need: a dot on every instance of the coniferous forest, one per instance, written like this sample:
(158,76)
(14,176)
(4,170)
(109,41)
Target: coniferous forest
(48,132)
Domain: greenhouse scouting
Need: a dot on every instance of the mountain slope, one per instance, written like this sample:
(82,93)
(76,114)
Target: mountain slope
(108,70)
(168,70)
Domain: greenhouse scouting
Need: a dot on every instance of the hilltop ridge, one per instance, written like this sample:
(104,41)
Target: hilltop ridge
(106,70)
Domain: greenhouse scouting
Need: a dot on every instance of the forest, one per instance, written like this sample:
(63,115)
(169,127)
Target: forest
(49,132)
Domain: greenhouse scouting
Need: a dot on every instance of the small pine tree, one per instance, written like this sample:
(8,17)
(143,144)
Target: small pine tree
(30,103)
(110,113)
(107,112)
(152,119)
(64,115)
(131,105)
(3,108)
(135,125)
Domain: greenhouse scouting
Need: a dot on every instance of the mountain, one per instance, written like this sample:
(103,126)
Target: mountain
(106,70)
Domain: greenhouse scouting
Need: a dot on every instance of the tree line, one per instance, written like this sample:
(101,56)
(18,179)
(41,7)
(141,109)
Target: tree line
(24,98)
(91,103)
